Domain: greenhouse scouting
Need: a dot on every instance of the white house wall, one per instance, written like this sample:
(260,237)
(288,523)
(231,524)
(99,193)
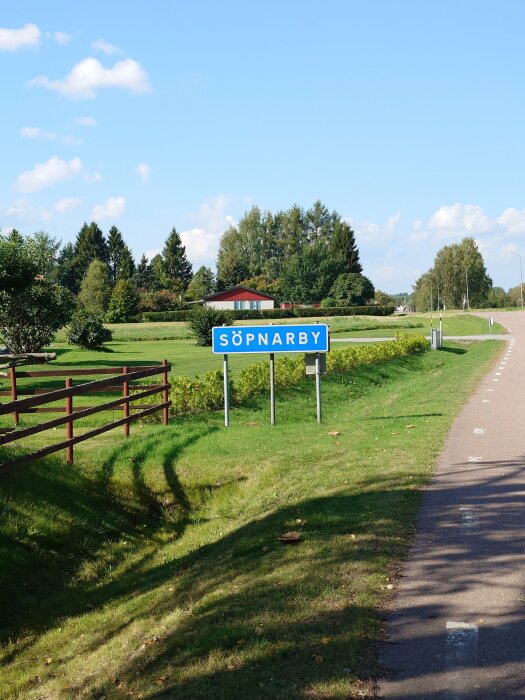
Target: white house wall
(229,305)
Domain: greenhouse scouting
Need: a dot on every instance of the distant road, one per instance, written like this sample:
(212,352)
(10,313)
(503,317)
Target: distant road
(445,337)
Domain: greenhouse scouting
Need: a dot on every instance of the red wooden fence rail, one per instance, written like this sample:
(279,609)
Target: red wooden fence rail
(37,397)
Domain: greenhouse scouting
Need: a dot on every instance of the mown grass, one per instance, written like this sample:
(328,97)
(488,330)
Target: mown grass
(152,567)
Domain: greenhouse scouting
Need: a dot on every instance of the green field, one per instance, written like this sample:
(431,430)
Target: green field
(152,568)
(188,359)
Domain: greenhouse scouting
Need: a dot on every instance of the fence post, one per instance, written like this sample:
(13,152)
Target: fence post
(14,396)
(69,424)
(165,394)
(125,394)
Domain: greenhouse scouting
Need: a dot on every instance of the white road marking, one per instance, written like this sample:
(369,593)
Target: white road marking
(495,380)
(462,642)
(468,518)
(461,651)
(473,459)
(498,374)
(486,401)
(479,431)
(490,389)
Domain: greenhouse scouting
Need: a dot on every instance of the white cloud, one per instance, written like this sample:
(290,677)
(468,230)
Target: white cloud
(47,174)
(111,209)
(24,209)
(513,221)
(144,170)
(105,47)
(460,219)
(62,38)
(202,241)
(14,39)
(35,132)
(66,204)
(370,232)
(89,75)
(92,177)
(21,209)
(86,121)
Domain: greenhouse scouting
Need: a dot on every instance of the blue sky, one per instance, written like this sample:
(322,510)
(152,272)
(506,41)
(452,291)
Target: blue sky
(406,117)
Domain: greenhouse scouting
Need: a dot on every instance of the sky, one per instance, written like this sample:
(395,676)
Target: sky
(406,117)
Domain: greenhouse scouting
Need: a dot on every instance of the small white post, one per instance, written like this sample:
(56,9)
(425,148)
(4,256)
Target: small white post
(226,394)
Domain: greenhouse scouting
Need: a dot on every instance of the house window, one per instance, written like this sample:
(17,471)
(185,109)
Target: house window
(240,305)
(255,305)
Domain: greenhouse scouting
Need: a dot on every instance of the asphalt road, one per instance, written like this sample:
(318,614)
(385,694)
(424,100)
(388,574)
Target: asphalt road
(457,629)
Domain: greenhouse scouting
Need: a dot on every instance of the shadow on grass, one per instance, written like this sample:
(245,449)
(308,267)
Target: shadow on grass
(455,351)
(78,515)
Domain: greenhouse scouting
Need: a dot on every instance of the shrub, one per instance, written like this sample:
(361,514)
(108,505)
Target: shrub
(29,320)
(372,310)
(328,302)
(123,302)
(203,319)
(87,331)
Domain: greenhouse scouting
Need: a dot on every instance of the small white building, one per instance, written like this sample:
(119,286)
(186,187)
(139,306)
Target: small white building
(240,298)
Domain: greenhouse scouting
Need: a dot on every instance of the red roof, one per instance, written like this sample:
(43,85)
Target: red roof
(239,293)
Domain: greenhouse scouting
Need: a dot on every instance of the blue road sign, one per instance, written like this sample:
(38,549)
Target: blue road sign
(228,340)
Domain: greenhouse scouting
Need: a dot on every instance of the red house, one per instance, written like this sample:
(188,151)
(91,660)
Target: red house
(240,298)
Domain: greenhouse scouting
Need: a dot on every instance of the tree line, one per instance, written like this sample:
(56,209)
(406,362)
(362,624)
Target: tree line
(459,279)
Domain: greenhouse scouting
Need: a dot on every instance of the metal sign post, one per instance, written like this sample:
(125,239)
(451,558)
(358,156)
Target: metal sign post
(226,394)
(272,388)
(441,326)
(318,386)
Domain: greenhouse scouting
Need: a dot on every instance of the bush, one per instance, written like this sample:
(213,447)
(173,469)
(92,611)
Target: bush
(196,395)
(203,319)
(297,312)
(87,331)
(328,302)
(29,320)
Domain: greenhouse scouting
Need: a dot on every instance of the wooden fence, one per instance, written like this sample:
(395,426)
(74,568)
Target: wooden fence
(117,382)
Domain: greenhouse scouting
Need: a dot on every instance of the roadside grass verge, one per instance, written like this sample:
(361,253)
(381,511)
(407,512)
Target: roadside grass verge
(152,568)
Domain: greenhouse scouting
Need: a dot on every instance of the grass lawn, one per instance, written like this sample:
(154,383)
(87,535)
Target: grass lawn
(152,567)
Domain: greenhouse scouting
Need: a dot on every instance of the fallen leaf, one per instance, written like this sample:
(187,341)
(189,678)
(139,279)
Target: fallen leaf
(252,423)
(299,521)
(333,433)
(411,425)
(48,660)
(390,586)
(395,433)
(171,588)
(317,659)
(352,536)
(325,640)
(290,537)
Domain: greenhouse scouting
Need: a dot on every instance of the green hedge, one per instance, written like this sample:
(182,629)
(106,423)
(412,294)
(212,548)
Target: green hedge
(199,394)
(163,316)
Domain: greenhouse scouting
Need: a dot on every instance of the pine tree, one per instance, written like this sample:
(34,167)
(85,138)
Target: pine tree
(343,247)
(126,265)
(143,277)
(116,247)
(90,245)
(176,264)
